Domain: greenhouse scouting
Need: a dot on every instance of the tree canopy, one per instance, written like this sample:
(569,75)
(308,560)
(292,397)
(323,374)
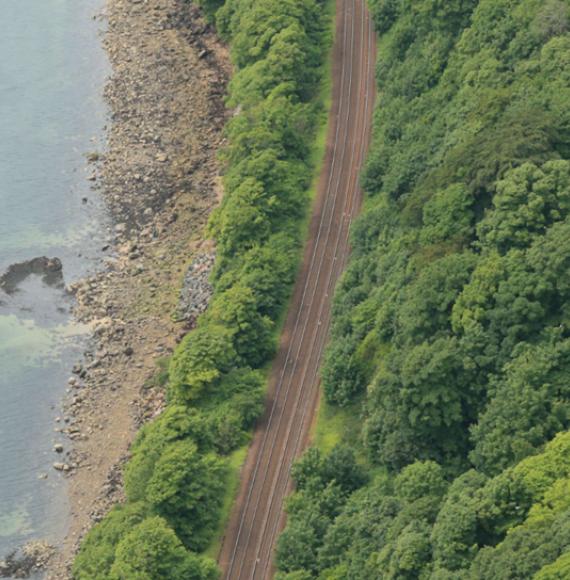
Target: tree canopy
(451,325)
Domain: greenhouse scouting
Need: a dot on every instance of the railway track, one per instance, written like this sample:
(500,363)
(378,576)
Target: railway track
(282,433)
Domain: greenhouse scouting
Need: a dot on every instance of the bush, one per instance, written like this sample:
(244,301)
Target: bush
(151,551)
(186,489)
(98,549)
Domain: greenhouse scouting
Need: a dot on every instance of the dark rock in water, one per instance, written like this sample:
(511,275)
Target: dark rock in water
(29,559)
(50,269)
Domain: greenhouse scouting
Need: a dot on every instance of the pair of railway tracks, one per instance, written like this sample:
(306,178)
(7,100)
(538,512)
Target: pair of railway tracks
(247,549)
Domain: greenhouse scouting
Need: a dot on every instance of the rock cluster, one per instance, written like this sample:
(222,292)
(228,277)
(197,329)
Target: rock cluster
(30,559)
(196,289)
(50,269)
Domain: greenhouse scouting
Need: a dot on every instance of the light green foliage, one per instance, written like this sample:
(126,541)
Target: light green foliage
(268,270)
(236,309)
(527,202)
(559,570)
(200,361)
(186,489)
(97,552)
(147,449)
(244,222)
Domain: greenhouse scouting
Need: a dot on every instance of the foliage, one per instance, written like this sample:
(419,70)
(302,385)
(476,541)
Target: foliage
(186,489)
(324,484)
(451,326)
(151,551)
(97,553)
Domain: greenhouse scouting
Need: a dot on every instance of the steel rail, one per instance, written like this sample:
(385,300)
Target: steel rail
(318,340)
(351,201)
(314,338)
(279,385)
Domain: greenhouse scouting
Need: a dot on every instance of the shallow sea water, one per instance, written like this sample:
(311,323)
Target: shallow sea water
(52,114)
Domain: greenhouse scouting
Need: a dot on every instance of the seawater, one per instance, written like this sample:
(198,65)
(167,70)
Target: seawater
(52,114)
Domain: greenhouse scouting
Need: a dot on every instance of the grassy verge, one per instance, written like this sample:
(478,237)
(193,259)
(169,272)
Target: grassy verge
(335,425)
(235,462)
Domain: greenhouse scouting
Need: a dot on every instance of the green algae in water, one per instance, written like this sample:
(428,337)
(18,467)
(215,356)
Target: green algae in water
(16,522)
(23,342)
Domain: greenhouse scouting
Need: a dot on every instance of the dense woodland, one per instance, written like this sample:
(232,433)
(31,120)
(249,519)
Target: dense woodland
(451,335)
(179,473)
(451,338)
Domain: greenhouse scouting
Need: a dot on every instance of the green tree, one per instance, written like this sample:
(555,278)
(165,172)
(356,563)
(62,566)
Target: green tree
(251,332)
(242,220)
(408,556)
(416,411)
(528,200)
(186,490)
(528,406)
(448,215)
(558,570)
(97,553)
(200,361)
(268,270)
(151,551)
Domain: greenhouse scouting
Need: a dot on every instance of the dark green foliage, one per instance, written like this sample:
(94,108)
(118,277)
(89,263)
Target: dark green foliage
(460,253)
(541,543)
(339,467)
(529,406)
(451,324)
(415,525)
(384,527)
(385,13)
(186,489)
(151,551)
(324,484)
(455,533)
(415,410)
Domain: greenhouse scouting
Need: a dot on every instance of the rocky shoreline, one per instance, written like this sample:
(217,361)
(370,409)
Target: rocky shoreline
(160,179)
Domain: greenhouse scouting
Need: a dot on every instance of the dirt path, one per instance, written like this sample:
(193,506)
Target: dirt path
(282,433)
